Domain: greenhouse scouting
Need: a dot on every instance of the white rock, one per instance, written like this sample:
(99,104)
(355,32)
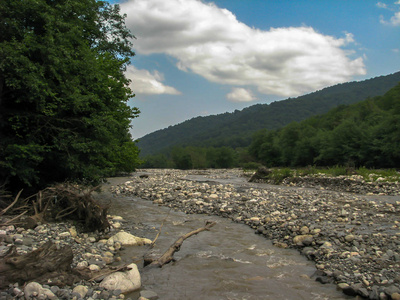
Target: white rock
(128,281)
(127,239)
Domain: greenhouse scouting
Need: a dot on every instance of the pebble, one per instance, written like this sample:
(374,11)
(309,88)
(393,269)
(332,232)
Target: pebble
(353,239)
(62,233)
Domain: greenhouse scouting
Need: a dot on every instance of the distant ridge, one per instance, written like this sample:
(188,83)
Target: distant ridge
(235,129)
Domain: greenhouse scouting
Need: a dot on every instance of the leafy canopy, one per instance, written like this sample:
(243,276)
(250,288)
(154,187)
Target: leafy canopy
(63,93)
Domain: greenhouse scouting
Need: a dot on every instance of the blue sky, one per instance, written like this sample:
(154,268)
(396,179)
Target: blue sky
(197,58)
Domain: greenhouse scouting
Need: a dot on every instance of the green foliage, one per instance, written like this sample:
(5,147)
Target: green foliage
(236,129)
(63,93)
(194,158)
(278,175)
(384,174)
(362,134)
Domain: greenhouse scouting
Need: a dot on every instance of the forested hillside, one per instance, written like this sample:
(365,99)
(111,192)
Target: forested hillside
(236,129)
(363,134)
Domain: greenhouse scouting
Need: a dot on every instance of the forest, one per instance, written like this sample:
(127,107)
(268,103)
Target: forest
(365,134)
(63,93)
(235,129)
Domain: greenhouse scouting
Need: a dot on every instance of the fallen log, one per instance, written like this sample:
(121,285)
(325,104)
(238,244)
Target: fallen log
(168,256)
(46,265)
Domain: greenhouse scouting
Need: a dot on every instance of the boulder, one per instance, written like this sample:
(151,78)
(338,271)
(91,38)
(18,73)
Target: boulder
(34,289)
(128,281)
(127,239)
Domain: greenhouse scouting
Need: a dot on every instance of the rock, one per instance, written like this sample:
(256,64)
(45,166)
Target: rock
(391,290)
(308,251)
(127,239)
(349,238)
(94,268)
(303,240)
(128,281)
(73,231)
(342,285)
(150,295)
(395,296)
(81,290)
(34,289)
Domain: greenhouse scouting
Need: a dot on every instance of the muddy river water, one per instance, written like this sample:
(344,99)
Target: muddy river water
(227,262)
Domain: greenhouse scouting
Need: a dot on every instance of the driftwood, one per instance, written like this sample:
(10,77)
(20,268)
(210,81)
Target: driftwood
(47,265)
(175,247)
(62,201)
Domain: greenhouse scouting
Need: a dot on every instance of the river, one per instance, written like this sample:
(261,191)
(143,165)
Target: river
(227,262)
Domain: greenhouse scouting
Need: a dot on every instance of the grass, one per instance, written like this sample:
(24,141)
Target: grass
(370,175)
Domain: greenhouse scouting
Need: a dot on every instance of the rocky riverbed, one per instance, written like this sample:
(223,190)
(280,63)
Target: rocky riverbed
(92,252)
(353,239)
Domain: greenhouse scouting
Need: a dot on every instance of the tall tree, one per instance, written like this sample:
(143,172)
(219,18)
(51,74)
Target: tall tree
(63,93)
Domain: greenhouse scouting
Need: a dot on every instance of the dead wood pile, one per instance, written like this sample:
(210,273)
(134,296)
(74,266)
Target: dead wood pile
(62,201)
(47,265)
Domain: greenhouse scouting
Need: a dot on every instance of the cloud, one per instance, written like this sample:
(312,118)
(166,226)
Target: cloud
(145,82)
(395,19)
(240,95)
(381,5)
(211,42)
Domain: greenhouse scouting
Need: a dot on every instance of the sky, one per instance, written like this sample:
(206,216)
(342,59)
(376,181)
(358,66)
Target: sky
(199,57)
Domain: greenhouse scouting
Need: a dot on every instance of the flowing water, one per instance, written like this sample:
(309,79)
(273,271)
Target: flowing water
(227,262)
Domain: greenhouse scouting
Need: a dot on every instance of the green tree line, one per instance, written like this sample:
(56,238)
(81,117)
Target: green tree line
(63,92)
(195,158)
(364,134)
(235,129)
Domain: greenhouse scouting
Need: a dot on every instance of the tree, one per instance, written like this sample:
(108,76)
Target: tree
(63,93)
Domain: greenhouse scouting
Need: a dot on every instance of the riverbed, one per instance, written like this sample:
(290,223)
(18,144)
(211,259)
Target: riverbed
(350,240)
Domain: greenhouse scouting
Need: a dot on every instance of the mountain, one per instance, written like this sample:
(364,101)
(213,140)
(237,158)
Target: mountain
(236,129)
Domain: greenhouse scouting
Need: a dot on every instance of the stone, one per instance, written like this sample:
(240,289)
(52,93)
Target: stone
(81,290)
(395,296)
(73,231)
(349,238)
(127,239)
(128,281)
(150,295)
(94,268)
(303,240)
(34,289)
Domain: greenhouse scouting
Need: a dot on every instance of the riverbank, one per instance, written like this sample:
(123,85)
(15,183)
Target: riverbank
(353,239)
(93,253)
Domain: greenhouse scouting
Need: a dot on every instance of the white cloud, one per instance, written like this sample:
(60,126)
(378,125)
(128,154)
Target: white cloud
(145,82)
(212,43)
(395,19)
(240,95)
(381,5)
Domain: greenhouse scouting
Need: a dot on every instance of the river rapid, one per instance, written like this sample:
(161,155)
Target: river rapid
(228,262)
